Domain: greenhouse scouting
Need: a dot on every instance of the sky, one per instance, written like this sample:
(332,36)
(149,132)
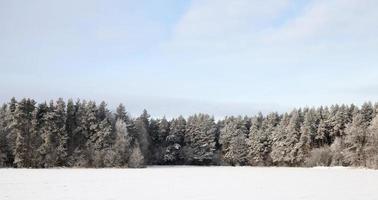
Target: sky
(179,57)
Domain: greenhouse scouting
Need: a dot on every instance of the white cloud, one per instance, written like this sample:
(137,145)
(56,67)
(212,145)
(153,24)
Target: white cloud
(222,23)
(331,21)
(245,25)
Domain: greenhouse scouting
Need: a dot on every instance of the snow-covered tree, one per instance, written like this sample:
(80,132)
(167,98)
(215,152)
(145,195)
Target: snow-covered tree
(142,136)
(22,126)
(199,142)
(3,139)
(136,159)
(285,138)
(122,144)
(260,139)
(61,133)
(233,140)
(372,144)
(308,131)
(356,140)
(158,131)
(38,123)
(175,140)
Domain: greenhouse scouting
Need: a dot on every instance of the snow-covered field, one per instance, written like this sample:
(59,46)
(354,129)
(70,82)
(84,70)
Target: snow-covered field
(182,183)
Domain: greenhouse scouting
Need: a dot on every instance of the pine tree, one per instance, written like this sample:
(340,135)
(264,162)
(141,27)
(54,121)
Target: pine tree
(279,146)
(324,129)
(356,140)
(49,134)
(156,142)
(142,135)
(199,142)
(78,139)
(22,126)
(123,115)
(102,111)
(61,133)
(372,144)
(136,159)
(122,144)
(367,112)
(158,132)
(38,122)
(90,130)
(3,141)
(103,143)
(70,127)
(305,144)
(260,139)
(233,141)
(9,131)
(175,140)
(293,137)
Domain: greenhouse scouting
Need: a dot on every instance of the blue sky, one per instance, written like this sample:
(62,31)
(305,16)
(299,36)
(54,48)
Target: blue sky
(180,57)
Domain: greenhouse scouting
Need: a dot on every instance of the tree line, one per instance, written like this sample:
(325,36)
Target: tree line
(84,134)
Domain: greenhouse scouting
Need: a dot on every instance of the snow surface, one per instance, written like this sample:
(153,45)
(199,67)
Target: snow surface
(184,183)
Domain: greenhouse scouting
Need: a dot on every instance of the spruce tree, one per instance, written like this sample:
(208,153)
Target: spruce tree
(22,126)
(9,129)
(175,140)
(199,142)
(38,123)
(61,133)
(49,134)
(260,139)
(122,144)
(233,140)
(279,146)
(308,132)
(3,141)
(142,135)
(372,144)
(136,159)
(356,139)
(70,127)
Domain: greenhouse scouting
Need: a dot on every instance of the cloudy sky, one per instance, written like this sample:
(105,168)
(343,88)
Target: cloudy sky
(184,56)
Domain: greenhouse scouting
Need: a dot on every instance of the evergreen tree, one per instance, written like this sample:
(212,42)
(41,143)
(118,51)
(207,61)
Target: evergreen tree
(367,112)
(90,131)
(158,139)
(280,148)
(175,140)
(122,144)
(22,126)
(260,139)
(102,145)
(142,135)
(324,129)
(199,142)
(49,134)
(79,139)
(102,111)
(38,123)
(136,159)
(156,142)
(356,140)
(9,131)
(70,126)
(61,133)
(372,144)
(308,131)
(123,115)
(233,141)
(3,140)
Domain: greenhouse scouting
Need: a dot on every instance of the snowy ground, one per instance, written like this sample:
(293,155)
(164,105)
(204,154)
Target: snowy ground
(183,183)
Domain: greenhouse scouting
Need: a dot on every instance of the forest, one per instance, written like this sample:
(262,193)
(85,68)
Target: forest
(88,135)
